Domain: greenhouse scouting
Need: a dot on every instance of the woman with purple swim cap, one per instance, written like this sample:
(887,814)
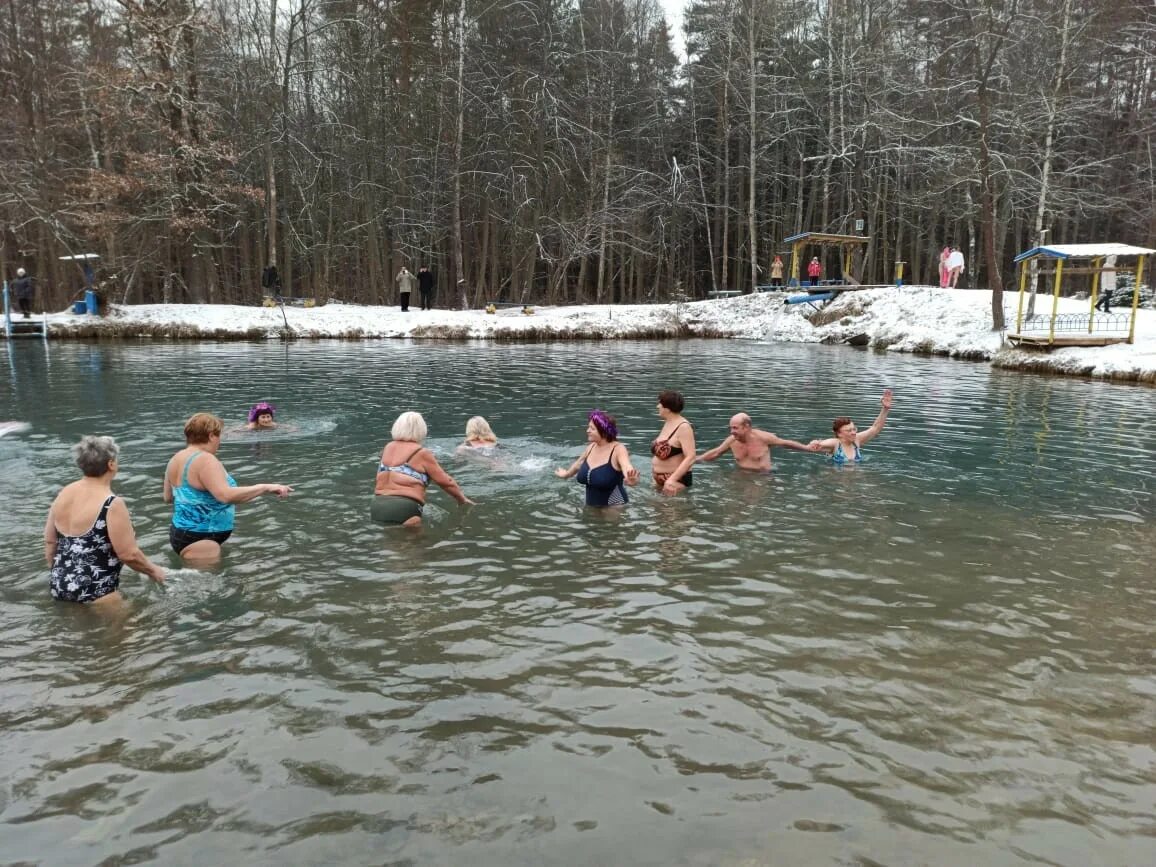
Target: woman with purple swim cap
(605,465)
(261,417)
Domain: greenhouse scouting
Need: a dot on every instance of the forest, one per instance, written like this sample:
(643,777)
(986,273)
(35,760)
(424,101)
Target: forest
(560,151)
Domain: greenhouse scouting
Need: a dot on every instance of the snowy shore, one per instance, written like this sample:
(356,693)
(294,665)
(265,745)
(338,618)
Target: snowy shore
(916,319)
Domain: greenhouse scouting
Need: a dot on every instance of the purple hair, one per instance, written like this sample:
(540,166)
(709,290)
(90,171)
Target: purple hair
(260,409)
(604,422)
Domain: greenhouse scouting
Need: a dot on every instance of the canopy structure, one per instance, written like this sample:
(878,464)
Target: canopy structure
(1097,260)
(84,259)
(824,239)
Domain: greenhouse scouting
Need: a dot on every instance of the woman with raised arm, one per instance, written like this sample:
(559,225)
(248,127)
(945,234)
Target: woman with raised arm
(844,446)
(404,472)
(604,467)
(203,495)
(89,536)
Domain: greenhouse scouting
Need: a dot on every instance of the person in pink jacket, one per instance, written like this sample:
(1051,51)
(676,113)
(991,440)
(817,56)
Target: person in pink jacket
(814,270)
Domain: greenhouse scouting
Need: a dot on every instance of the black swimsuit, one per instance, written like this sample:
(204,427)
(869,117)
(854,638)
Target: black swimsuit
(86,567)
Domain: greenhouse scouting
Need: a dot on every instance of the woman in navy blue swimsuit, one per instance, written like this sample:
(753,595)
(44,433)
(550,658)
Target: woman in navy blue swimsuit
(604,468)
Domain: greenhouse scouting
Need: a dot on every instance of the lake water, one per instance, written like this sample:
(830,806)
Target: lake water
(943,656)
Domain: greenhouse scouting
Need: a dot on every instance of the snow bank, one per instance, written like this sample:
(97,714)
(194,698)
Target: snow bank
(917,319)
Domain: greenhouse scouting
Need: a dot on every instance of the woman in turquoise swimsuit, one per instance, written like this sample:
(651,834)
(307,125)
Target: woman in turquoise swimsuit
(203,495)
(844,446)
(405,471)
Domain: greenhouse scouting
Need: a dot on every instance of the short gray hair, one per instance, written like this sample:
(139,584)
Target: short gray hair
(410,426)
(93,454)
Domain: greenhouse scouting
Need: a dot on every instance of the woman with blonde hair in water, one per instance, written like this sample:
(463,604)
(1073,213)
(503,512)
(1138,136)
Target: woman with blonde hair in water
(404,472)
(479,436)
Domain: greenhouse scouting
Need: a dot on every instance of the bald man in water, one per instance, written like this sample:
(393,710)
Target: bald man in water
(750,446)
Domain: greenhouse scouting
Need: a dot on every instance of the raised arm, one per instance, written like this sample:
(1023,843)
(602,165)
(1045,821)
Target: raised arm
(772,440)
(211,474)
(445,481)
(573,471)
(716,452)
(881,419)
(123,538)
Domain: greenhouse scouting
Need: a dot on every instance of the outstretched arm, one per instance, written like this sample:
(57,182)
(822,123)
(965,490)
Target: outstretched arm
(827,445)
(624,464)
(716,452)
(565,474)
(771,440)
(446,482)
(873,431)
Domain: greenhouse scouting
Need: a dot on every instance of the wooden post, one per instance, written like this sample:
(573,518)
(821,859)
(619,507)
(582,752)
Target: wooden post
(1056,300)
(1095,291)
(1136,298)
(1023,287)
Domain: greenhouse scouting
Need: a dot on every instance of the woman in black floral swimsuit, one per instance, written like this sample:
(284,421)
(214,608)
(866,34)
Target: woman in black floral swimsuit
(89,536)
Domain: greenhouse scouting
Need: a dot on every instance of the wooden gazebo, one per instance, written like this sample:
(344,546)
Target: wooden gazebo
(823,239)
(1057,260)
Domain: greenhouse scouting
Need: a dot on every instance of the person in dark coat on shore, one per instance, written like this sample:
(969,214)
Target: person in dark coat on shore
(425,285)
(22,289)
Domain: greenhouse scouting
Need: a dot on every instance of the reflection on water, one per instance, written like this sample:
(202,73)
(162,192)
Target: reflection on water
(941,656)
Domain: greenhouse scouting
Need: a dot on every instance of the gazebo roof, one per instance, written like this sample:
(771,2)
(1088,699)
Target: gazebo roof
(1083,251)
(827,238)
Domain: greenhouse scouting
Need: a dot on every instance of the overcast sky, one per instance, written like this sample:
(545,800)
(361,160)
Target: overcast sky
(673,11)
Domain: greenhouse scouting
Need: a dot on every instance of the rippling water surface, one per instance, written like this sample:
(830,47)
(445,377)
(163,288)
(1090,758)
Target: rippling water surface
(944,656)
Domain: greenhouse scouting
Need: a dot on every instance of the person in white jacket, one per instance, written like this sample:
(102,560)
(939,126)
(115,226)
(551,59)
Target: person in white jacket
(954,267)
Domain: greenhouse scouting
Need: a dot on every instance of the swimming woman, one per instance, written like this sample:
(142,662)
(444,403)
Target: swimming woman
(605,465)
(203,495)
(405,471)
(89,537)
(261,417)
(674,447)
(844,446)
(479,436)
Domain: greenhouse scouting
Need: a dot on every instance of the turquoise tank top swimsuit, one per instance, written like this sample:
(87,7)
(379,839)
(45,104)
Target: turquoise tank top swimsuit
(839,458)
(198,515)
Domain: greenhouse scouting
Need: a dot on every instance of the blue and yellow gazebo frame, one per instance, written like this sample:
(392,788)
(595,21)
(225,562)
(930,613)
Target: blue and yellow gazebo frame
(1079,329)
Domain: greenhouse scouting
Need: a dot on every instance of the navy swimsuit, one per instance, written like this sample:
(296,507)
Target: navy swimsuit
(604,484)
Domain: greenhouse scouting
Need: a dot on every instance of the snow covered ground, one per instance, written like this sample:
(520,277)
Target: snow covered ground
(909,319)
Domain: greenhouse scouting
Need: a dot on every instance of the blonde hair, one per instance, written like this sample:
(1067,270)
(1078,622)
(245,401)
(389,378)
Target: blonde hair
(410,426)
(477,428)
(201,426)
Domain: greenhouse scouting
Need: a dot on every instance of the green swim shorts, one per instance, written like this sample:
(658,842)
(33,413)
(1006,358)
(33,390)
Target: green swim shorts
(388,509)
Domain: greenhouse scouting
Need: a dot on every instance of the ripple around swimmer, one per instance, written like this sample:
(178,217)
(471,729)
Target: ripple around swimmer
(939,656)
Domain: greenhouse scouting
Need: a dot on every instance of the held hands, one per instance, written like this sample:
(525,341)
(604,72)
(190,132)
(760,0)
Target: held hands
(815,446)
(670,487)
(885,401)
